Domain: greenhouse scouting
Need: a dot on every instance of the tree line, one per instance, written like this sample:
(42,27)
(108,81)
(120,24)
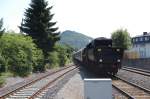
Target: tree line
(34,49)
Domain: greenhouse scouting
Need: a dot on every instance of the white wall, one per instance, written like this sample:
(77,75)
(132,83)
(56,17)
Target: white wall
(148,50)
(142,49)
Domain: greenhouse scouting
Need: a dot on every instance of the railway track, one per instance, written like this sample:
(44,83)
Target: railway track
(39,87)
(130,90)
(135,70)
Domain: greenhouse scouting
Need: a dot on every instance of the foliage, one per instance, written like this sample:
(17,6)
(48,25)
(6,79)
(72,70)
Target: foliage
(38,60)
(53,60)
(60,56)
(64,53)
(20,53)
(3,64)
(2,81)
(121,38)
(38,25)
(3,76)
(1,26)
(6,74)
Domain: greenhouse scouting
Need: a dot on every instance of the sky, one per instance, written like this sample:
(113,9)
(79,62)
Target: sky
(95,18)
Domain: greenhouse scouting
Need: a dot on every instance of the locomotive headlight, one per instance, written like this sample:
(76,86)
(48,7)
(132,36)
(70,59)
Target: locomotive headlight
(109,45)
(118,60)
(118,50)
(99,50)
(100,60)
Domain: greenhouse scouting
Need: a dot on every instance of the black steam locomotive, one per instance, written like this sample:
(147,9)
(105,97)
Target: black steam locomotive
(100,57)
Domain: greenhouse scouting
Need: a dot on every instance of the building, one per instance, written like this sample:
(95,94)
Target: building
(141,45)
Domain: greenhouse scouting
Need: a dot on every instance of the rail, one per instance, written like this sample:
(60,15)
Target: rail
(136,91)
(8,91)
(135,70)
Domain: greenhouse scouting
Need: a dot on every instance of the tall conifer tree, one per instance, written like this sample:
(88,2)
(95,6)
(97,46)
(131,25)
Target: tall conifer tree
(2,30)
(38,24)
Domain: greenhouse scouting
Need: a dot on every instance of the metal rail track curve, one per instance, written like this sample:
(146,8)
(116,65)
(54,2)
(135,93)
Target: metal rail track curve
(130,90)
(32,89)
(136,70)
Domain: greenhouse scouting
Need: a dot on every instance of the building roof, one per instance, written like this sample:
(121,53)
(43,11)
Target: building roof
(141,39)
(145,34)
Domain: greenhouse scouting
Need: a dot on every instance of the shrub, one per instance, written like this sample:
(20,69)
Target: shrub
(38,60)
(53,60)
(64,53)
(3,64)
(2,81)
(18,50)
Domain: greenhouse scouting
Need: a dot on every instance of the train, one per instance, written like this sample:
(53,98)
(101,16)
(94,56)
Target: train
(100,56)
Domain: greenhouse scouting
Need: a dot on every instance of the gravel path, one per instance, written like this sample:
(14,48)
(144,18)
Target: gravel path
(52,91)
(139,79)
(74,88)
(10,81)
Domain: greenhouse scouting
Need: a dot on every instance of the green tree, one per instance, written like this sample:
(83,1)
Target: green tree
(38,24)
(19,54)
(2,30)
(53,60)
(121,38)
(64,53)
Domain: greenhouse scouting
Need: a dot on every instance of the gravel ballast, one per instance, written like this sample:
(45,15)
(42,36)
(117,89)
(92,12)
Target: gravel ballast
(74,88)
(52,91)
(138,79)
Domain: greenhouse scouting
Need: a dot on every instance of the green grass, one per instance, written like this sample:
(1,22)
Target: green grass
(6,74)
(3,77)
(2,81)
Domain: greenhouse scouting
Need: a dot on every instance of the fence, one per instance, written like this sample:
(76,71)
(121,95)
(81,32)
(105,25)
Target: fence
(143,63)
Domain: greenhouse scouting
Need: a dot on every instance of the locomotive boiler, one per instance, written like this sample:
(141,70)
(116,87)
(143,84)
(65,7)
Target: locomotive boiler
(100,56)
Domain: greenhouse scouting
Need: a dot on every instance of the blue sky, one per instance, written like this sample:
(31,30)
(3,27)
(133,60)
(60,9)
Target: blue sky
(94,18)
(12,12)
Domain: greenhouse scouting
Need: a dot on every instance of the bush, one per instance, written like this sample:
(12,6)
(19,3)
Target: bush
(38,60)
(64,54)
(3,64)
(2,81)
(53,60)
(20,52)
(19,55)
(17,49)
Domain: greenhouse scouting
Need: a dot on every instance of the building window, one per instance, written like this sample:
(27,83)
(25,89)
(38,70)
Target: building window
(146,38)
(141,39)
(136,39)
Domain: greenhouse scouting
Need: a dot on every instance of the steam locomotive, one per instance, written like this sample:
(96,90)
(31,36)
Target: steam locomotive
(100,57)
